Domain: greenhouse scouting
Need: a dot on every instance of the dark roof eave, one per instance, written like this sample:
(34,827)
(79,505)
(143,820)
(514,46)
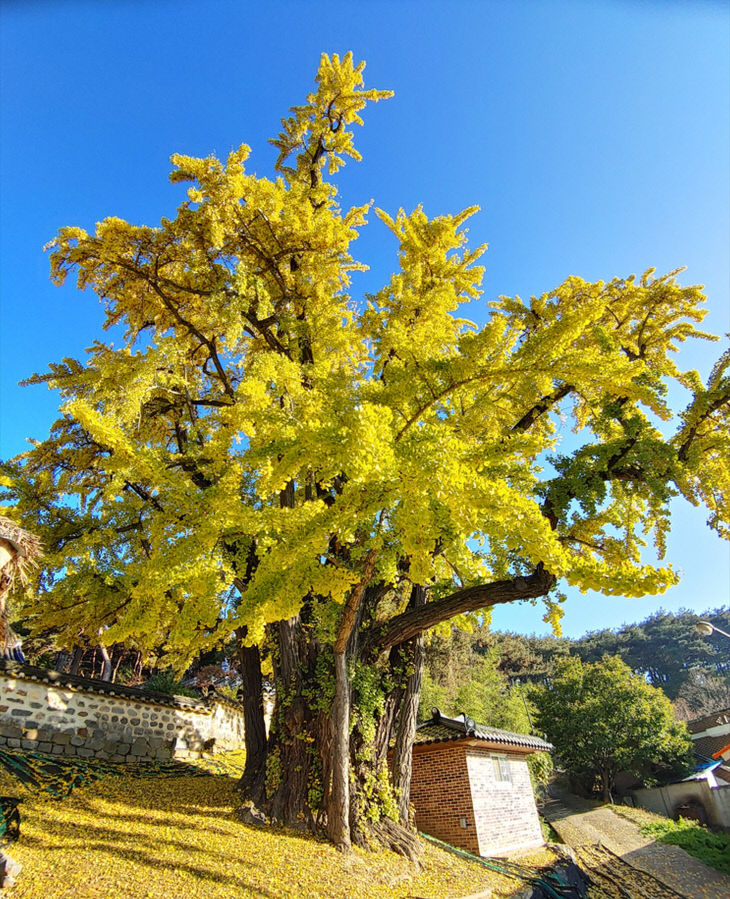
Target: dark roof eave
(444,729)
(525,746)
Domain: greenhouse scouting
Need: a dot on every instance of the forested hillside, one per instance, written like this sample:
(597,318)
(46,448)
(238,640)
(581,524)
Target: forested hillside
(483,673)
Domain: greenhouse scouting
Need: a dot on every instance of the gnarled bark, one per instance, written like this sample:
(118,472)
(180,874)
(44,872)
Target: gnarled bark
(253,780)
(402,763)
(324,762)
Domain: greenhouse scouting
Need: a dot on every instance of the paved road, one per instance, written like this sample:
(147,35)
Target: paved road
(583,825)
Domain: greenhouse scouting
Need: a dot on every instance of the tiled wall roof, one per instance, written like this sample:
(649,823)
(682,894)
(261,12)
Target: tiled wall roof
(441,728)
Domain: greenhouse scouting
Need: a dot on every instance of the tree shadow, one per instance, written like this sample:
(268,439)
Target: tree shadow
(151,861)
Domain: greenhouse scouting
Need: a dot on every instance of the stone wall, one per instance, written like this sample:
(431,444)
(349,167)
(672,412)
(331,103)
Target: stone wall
(668,799)
(55,713)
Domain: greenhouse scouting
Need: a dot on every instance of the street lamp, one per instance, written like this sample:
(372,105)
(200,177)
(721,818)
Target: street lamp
(706,628)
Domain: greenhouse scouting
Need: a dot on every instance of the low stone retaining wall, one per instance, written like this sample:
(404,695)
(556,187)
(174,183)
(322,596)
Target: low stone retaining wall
(46,711)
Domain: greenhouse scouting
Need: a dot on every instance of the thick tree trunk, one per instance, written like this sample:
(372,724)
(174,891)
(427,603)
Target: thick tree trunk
(106,667)
(339,824)
(338,810)
(324,769)
(402,764)
(78,655)
(120,656)
(253,780)
(606,785)
(294,727)
(338,707)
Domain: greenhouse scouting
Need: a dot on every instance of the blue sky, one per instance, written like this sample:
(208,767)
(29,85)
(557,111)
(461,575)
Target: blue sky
(595,136)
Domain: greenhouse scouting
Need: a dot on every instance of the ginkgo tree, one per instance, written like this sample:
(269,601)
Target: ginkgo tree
(324,478)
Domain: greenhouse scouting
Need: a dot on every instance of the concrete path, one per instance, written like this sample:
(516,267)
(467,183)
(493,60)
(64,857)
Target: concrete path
(580,823)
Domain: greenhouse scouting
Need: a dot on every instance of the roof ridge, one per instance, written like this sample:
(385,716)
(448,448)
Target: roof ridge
(462,726)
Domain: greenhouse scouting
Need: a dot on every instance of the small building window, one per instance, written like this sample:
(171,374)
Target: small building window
(502,771)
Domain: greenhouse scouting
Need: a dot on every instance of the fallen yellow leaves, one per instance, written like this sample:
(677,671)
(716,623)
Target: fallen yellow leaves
(175,837)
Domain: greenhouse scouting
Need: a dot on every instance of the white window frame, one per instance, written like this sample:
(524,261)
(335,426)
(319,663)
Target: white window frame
(502,769)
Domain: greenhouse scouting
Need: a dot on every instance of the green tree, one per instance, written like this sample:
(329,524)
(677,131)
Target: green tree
(603,719)
(262,457)
(461,675)
(479,688)
(530,659)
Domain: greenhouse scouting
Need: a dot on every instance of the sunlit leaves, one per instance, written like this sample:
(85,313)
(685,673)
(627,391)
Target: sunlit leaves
(258,433)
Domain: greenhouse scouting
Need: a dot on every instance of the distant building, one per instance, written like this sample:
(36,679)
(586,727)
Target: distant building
(711,741)
(705,794)
(471,787)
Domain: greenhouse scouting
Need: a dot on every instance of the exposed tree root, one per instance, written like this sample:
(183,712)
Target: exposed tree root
(398,838)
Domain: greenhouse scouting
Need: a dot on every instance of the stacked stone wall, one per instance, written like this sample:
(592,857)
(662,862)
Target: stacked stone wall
(70,716)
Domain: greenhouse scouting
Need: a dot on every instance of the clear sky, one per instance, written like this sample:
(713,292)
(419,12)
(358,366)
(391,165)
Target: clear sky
(595,136)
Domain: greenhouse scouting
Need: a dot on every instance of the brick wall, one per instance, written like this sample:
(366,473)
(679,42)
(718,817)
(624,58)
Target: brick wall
(505,812)
(458,798)
(73,716)
(441,795)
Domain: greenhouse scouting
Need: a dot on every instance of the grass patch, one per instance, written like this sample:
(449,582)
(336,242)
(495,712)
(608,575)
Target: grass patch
(709,846)
(549,834)
(178,837)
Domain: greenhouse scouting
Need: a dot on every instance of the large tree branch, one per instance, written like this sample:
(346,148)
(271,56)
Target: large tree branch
(545,403)
(349,613)
(720,401)
(470,599)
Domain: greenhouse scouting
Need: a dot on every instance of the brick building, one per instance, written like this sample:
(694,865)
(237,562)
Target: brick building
(471,787)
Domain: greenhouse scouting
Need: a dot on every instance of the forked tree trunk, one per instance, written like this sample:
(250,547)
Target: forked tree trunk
(315,764)
(318,766)
(329,739)
(402,764)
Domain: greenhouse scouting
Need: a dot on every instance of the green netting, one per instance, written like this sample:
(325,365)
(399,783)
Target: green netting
(57,777)
(546,882)
(9,819)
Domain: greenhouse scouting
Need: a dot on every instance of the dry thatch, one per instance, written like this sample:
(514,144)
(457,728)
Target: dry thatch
(25,556)
(25,553)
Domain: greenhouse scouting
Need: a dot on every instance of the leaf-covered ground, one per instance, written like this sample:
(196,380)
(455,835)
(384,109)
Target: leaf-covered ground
(173,837)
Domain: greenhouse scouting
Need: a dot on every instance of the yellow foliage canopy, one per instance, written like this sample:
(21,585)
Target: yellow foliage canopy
(261,431)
